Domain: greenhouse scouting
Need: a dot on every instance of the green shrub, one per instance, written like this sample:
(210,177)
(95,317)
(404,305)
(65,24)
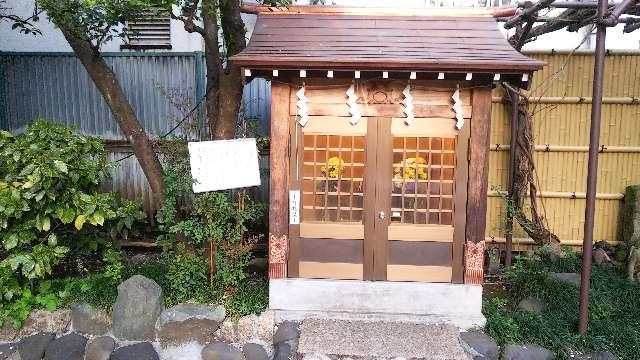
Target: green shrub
(186,278)
(50,205)
(251,297)
(500,323)
(210,216)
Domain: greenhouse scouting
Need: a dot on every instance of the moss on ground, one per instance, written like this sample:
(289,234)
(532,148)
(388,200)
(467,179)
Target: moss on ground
(614,310)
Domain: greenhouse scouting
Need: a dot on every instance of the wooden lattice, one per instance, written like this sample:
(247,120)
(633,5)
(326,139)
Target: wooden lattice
(333,178)
(423,180)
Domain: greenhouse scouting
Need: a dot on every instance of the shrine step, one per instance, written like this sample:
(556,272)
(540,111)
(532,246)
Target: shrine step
(459,305)
(379,340)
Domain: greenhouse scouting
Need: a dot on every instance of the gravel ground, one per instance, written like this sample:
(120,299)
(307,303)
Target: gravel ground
(381,339)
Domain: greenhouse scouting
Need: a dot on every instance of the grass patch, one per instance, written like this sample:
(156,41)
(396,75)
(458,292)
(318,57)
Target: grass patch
(100,291)
(614,310)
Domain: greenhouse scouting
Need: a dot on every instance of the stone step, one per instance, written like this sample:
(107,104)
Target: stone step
(380,339)
(459,305)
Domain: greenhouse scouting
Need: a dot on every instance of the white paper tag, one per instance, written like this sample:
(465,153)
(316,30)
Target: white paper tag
(294,207)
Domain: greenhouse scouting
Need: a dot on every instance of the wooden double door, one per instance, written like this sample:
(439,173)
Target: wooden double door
(379,200)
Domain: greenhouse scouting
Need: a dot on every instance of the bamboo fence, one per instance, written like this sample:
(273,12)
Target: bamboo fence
(561,102)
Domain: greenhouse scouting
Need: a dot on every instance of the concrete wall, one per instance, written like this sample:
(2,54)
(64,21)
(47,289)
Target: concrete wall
(52,40)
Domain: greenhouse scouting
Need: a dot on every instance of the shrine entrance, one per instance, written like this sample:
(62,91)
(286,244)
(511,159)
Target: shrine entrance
(378,198)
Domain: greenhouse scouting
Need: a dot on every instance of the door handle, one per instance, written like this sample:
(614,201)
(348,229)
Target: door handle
(381,215)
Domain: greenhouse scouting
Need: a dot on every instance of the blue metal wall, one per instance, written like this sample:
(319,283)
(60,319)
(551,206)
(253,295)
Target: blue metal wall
(160,86)
(56,87)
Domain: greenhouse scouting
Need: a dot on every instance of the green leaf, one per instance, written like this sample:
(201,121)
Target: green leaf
(68,215)
(52,239)
(10,241)
(40,195)
(62,167)
(80,220)
(61,250)
(98,217)
(46,223)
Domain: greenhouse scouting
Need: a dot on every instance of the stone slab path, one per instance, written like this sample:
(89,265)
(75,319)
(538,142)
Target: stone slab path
(380,340)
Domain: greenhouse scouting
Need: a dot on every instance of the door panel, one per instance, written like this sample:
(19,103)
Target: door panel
(420,233)
(332,171)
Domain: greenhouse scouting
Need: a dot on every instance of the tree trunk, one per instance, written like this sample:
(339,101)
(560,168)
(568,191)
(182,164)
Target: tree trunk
(209,34)
(231,81)
(107,83)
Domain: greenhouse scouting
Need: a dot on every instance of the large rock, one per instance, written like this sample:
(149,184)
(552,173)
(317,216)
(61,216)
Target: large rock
(189,322)
(219,350)
(479,345)
(532,305)
(285,340)
(526,352)
(567,278)
(7,350)
(287,330)
(600,257)
(248,328)
(137,308)
(86,319)
(253,351)
(284,351)
(56,322)
(140,351)
(33,347)
(100,348)
(68,347)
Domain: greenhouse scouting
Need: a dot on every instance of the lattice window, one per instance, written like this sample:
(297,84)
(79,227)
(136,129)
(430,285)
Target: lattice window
(333,178)
(423,180)
(152,31)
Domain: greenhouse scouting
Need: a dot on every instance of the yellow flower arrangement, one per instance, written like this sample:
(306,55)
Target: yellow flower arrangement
(334,167)
(409,166)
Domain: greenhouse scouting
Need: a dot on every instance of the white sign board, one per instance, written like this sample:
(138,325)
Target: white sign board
(294,207)
(224,164)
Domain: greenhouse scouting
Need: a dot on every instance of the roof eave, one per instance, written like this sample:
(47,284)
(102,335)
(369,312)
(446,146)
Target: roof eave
(294,63)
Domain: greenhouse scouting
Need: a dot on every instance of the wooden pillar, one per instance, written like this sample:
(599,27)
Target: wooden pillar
(279,181)
(478,184)
(460,203)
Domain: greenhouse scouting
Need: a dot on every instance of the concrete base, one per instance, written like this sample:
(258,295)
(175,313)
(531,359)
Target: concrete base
(423,303)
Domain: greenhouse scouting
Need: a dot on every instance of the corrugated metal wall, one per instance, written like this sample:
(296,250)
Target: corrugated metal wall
(557,121)
(56,86)
(160,86)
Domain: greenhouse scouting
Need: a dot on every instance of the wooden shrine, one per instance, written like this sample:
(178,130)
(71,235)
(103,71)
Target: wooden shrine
(379,139)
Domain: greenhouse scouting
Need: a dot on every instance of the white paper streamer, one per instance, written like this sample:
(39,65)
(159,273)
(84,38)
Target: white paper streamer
(408,105)
(457,108)
(354,109)
(303,108)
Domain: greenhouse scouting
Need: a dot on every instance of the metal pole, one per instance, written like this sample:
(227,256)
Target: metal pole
(592,172)
(515,99)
